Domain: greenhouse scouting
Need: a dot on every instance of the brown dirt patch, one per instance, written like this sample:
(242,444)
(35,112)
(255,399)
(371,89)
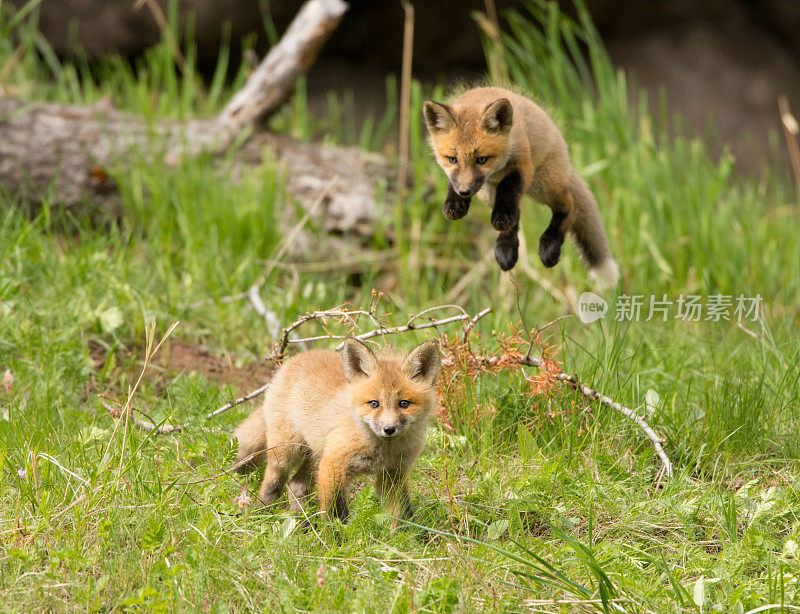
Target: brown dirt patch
(181,357)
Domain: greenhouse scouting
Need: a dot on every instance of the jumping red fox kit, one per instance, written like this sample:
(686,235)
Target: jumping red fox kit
(498,145)
(335,416)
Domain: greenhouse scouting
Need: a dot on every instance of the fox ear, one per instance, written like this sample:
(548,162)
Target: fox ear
(358,360)
(438,116)
(423,362)
(497,117)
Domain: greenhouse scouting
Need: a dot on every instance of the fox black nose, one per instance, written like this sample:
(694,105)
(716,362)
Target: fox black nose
(389,430)
(465,193)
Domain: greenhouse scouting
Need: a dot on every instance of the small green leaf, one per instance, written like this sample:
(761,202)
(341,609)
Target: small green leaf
(699,591)
(288,526)
(496,529)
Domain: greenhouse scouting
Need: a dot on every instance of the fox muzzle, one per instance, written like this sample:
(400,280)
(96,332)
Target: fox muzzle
(388,430)
(468,190)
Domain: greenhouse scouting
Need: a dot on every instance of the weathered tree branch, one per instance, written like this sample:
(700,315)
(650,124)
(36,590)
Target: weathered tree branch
(71,153)
(273,80)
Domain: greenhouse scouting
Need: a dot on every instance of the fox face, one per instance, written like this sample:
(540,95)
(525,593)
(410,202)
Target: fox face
(389,395)
(470,143)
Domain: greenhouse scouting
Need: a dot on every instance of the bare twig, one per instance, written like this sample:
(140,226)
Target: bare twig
(145,425)
(791,130)
(589,393)
(551,322)
(166,31)
(470,325)
(342,314)
(405,99)
(239,401)
(347,315)
(437,308)
(535,336)
(490,25)
(403,329)
(169,429)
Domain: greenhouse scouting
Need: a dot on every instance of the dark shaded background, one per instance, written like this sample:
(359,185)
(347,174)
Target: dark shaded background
(719,61)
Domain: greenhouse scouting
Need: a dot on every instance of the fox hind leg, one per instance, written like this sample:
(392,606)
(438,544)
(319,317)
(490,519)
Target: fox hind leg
(551,241)
(284,456)
(300,486)
(553,237)
(272,484)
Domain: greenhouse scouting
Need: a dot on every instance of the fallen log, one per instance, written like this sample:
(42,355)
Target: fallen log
(69,153)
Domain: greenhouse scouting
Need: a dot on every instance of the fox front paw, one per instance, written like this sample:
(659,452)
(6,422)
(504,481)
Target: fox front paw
(550,248)
(506,250)
(456,207)
(505,218)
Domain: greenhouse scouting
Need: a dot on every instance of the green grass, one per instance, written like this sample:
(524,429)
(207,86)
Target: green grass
(531,498)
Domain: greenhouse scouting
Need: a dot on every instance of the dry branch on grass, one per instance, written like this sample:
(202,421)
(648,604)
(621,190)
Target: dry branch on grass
(458,358)
(349,316)
(342,315)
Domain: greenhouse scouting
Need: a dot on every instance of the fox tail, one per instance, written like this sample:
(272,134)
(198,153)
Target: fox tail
(590,236)
(252,436)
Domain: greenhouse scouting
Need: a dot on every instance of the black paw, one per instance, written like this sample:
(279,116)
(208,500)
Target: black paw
(505,218)
(550,248)
(456,207)
(506,250)
(340,509)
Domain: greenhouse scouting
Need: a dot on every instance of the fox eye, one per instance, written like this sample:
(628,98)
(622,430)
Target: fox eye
(373,404)
(451,159)
(403,404)
(481,159)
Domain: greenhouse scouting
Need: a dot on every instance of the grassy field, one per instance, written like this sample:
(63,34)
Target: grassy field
(524,502)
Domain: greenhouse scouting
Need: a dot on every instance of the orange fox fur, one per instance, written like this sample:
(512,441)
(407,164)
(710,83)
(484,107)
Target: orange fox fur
(498,145)
(335,416)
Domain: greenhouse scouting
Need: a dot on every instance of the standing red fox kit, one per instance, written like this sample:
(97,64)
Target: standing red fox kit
(337,416)
(498,145)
